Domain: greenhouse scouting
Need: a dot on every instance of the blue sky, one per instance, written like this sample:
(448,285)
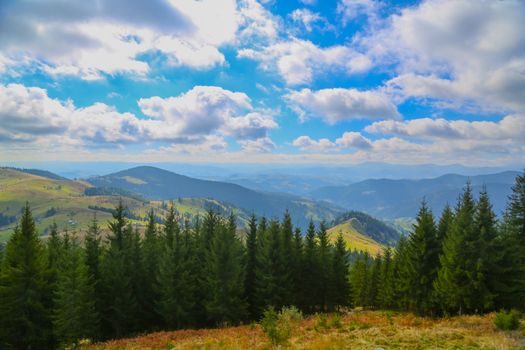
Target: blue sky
(218,81)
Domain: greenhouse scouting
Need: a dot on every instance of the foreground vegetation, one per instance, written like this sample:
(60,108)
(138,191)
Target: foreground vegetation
(200,274)
(356,330)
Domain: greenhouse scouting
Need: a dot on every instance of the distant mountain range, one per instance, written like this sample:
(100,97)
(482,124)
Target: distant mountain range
(154,183)
(391,199)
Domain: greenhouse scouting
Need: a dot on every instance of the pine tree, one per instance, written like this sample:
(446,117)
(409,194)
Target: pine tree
(120,301)
(54,246)
(93,256)
(272,277)
(74,314)
(251,266)
(455,282)
(340,288)
(375,281)
(360,280)
(25,321)
(225,276)
(324,267)
(177,279)
(511,264)
(423,261)
(310,287)
(287,254)
(445,222)
(386,290)
(151,250)
(401,275)
(297,267)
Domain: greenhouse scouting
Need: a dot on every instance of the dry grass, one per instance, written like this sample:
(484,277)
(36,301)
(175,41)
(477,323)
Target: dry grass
(359,330)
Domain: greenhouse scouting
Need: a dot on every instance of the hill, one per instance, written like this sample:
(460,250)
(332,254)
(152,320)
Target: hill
(159,184)
(354,238)
(65,202)
(392,199)
(356,330)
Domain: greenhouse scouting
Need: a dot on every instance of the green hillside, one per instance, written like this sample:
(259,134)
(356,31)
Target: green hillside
(64,202)
(355,238)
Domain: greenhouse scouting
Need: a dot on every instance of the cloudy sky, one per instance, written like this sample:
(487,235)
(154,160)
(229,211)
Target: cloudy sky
(307,81)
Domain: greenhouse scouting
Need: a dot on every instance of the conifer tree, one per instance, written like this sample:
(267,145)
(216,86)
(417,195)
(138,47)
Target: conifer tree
(287,255)
(324,267)
(400,275)
(511,265)
(375,282)
(54,246)
(445,222)
(120,301)
(297,267)
(272,276)
(151,251)
(340,288)
(93,255)
(225,277)
(360,280)
(386,290)
(25,321)
(177,278)
(455,283)
(310,287)
(251,265)
(423,261)
(74,313)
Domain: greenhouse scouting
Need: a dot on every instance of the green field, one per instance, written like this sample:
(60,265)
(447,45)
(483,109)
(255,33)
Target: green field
(354,239)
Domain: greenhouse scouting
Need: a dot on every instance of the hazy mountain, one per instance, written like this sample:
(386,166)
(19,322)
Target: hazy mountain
(155,183)
(387,198)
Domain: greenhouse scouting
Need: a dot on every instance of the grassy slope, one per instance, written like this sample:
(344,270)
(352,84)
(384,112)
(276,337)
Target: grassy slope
(359,330)
(71,205)
(355,239)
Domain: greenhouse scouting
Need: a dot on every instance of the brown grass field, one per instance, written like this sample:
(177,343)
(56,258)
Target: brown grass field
(358,330)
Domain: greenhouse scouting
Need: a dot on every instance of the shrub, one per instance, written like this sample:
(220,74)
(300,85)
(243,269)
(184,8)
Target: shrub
(507,321)
(335,321)
(321,323)
(278,325)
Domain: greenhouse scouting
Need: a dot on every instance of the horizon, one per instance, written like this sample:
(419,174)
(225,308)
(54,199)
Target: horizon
(264,82)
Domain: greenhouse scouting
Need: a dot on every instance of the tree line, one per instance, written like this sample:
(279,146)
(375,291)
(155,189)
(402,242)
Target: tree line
(180,274)
(468,261)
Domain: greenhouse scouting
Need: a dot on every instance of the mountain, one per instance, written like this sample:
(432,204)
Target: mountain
(355,237)
(386,198)
(66,203)
(160,184)
(39,172)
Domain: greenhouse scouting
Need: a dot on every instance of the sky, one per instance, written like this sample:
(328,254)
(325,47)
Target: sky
(275,82)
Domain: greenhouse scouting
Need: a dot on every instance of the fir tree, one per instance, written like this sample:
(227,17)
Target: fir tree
(93,256)
(340,288)
(310,287)
(423,261)
(151,250)
(25,321)
(225,276)
(74,314)
(360,280)
(375,282)
(324,267)
(272,276)
(251,265)
(386,290)
(120,301)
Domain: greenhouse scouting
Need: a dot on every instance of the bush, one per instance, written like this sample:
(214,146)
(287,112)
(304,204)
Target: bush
(278,325)
(507,321)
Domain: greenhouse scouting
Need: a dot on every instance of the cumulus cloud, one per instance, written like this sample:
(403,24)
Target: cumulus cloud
(300,61)
(335,105)
(458,51)
(203,116)
(306,143)
(511,127)
(75,38)
(351,9)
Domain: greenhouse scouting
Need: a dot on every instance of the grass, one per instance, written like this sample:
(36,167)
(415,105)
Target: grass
(356,330)
(355,239)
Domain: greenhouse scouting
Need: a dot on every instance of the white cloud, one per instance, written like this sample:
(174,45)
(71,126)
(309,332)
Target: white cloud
(462,52)
(306,143)
(300,61)
(203,116)
(350,9)
(511,127)
(74,38)
(335,105)
(352,139)
(310,20)
(260,145)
